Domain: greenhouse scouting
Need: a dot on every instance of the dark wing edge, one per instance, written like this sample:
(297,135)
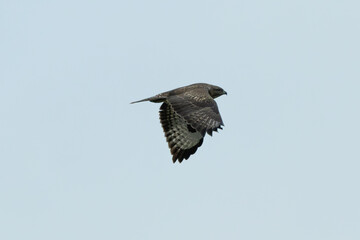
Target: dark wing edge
(182,139)
(201,113)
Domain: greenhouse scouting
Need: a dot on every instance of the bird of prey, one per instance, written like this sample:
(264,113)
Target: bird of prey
(186,115)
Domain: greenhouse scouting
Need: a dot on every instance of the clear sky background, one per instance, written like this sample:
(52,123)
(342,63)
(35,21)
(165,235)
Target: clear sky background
(77,161)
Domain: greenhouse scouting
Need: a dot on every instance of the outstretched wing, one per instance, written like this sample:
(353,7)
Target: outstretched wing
(199,109)
(183,139)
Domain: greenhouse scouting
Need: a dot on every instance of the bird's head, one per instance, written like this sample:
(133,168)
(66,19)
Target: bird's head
(216,91)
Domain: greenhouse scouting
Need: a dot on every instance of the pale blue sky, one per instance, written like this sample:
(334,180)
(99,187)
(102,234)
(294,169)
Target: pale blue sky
(79,162)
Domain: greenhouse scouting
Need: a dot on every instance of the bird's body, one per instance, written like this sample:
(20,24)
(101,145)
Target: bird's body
(186,114)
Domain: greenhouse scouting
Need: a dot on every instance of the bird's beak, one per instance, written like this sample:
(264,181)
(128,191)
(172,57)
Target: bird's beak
(225,93)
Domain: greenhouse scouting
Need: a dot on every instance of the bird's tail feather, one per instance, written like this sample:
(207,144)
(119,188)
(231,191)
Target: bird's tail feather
(156,99)
(143,100)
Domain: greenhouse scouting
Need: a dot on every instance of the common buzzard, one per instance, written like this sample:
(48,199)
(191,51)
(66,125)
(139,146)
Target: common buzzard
(187,113)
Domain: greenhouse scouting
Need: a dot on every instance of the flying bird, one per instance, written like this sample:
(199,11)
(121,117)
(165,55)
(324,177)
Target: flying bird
(186,115)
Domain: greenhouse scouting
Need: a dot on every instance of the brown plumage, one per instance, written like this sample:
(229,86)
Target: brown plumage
(186,114)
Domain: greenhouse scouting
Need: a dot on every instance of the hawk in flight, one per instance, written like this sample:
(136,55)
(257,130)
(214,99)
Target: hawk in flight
(186,115)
